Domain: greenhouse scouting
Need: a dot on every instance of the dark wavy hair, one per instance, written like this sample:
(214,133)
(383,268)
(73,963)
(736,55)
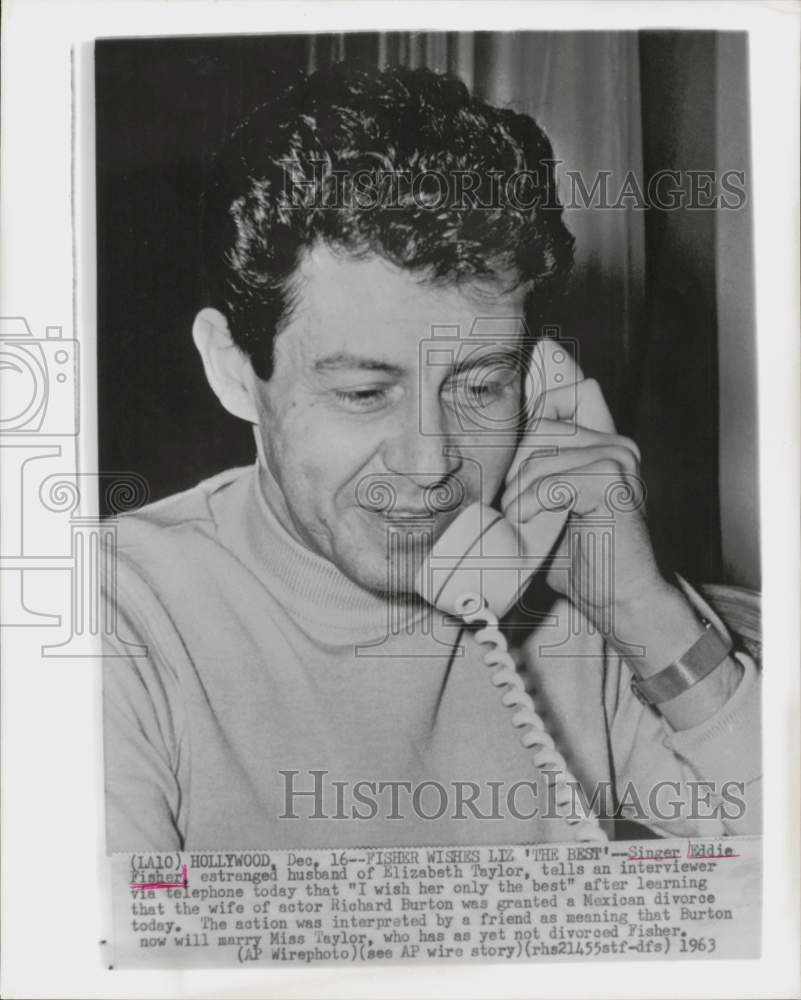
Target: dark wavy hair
(294,174)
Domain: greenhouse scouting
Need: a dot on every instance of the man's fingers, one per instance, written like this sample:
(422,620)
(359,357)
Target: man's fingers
(564,435)
(537,466)
(604,482)
(539,447)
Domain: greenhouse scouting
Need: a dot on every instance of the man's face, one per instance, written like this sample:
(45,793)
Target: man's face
(354,401)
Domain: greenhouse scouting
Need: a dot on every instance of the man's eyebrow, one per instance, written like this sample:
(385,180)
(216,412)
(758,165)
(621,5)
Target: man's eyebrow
(343,360)
(474,359)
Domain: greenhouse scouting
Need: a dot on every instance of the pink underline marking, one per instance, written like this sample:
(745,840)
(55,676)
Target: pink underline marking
(162,885)
(690,855)
(676,858)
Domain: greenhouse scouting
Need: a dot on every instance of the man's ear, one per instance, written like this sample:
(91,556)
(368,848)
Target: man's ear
(227,367)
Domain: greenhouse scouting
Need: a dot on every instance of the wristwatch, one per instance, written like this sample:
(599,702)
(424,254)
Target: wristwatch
(705,654)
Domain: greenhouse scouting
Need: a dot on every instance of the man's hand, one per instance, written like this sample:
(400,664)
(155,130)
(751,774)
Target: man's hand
(573,457)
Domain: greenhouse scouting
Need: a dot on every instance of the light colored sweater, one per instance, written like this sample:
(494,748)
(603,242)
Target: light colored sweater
(263,658)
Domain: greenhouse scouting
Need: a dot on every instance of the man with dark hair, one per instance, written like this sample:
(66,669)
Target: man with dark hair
(291,671)
(402,165)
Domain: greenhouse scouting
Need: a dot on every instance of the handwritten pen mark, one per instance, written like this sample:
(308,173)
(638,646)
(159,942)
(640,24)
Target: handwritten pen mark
(711,857)
(707,857)
(674,857)
(163,885)
(690,855)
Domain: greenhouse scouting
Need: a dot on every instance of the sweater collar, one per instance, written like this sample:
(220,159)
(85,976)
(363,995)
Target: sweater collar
(311,588)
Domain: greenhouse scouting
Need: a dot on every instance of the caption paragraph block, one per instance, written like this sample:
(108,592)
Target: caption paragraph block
(662,899)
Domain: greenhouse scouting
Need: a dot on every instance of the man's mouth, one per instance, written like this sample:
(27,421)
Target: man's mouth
(415,520)
(383,495)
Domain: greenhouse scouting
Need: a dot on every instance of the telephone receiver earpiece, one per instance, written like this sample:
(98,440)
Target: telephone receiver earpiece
(482,552)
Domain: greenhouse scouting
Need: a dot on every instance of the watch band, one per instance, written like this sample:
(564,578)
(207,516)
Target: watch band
(707,653)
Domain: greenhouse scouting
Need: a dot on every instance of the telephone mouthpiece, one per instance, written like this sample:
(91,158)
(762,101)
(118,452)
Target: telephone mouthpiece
(482,552)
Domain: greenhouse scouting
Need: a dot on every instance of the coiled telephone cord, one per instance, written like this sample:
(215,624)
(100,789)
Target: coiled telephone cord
(472,608)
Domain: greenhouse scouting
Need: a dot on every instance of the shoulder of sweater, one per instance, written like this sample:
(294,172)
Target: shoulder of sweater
(191,511)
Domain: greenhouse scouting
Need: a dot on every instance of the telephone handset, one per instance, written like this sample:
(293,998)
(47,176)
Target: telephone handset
(481,551)
(475,571)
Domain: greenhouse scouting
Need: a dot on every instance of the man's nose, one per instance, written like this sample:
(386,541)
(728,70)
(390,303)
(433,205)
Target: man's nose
(424,458)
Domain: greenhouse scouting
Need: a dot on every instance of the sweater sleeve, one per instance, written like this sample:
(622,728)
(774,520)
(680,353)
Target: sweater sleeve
(142,740)
(717,763)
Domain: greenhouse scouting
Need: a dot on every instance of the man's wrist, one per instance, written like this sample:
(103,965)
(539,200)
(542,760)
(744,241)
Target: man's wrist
(664,625)
(689,669)
(661,621)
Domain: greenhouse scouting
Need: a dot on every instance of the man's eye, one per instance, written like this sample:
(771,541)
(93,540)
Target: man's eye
(363,400)
(481,392)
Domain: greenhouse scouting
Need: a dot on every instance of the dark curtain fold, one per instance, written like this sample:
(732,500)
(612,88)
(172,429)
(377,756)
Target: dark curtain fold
(677,352)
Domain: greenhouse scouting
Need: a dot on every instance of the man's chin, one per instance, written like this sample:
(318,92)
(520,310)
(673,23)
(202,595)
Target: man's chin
(390,570)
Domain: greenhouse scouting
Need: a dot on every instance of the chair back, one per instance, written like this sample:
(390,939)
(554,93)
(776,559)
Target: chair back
(741,611)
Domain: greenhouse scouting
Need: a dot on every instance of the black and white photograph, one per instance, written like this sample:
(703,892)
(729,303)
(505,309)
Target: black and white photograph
(468,300)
